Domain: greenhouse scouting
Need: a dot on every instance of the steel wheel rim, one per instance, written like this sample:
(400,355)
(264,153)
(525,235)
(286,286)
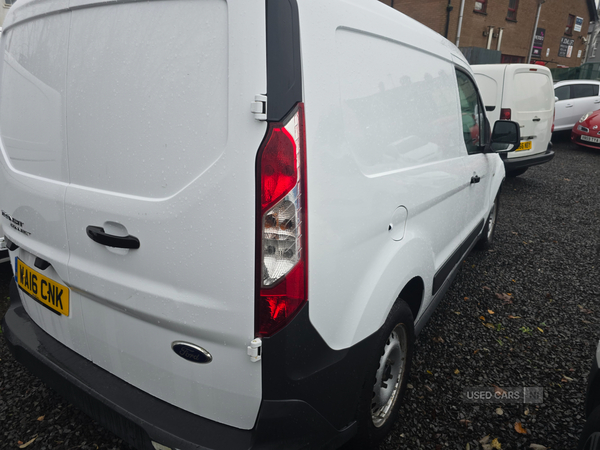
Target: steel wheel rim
(491,222)
(389,375)
(593,442)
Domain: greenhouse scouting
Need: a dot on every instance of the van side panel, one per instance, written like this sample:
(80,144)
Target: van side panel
(383,132)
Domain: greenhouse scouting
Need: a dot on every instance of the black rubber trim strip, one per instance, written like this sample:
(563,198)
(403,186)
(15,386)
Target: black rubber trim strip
(138,418)
(41,264)
(284,72)
(528,161)
(97,234)
(459,253)
(10,244)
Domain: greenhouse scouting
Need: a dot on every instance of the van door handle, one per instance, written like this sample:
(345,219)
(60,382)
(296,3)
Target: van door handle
(596,101)
(537,119)
(568,106)
(475,179)
(98,235)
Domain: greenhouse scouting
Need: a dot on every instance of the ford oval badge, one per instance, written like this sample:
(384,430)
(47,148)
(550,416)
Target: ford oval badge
(191,352)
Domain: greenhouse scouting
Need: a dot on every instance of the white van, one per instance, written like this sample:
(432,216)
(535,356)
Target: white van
(522,93)
(3,249)
(229,218)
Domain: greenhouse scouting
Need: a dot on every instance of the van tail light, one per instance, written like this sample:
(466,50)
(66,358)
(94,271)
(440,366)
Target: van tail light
(553,117)
(505,114)
(281,213)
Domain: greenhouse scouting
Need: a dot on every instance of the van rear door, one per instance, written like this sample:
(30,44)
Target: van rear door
(162,147)
(137,124)
(529,93)
(35,167)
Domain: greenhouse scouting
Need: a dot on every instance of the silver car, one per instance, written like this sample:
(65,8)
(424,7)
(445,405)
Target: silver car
(574,98)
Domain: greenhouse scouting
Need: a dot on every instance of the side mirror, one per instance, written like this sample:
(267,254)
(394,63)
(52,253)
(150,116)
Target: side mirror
(506,137)
(555,99)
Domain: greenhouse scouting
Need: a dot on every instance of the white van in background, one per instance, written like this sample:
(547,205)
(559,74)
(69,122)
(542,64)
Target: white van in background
(522,93)
(230,218)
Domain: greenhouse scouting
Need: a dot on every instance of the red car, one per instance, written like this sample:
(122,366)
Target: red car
(586,131)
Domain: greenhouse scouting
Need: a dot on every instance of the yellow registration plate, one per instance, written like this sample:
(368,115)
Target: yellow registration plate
(525,145)
(48,292)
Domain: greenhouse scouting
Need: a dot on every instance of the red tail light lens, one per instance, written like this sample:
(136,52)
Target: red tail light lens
(505,114)
(281,251)
(553,117)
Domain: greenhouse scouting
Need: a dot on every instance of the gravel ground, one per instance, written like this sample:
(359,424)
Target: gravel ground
(526,313)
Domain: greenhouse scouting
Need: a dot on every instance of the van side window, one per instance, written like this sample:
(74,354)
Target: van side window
(473,119)
(584,90)
(563,92)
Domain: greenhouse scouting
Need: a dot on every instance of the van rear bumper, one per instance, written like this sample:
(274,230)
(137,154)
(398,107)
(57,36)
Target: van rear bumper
(528,161)
(139,418)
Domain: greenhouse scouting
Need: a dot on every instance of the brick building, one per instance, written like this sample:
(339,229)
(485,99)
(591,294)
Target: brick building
(508,26)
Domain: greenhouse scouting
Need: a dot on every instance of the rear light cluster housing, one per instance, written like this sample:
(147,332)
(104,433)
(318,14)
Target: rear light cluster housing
(281,277)
(505,114)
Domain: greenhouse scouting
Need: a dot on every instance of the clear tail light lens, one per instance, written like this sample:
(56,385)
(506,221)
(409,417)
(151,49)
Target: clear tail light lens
(282,227)
(505,114)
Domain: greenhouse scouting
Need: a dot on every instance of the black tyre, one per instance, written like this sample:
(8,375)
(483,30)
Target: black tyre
(487,237)
(387,376)
(516,172)
(590,436)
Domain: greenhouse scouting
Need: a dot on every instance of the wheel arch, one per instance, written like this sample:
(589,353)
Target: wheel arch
(412,294)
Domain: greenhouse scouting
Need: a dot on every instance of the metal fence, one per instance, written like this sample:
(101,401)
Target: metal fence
(589,71)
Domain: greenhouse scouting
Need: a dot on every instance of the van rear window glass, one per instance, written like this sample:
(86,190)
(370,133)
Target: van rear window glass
(563,92)
(533,92)
(488,87)
(147,104)
(584,90)
(470,111)
(32,92)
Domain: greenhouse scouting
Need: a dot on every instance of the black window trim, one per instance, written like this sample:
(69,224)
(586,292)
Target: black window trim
(486,132)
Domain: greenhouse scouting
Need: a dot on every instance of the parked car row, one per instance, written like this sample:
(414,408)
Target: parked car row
(313,210)
(577,109)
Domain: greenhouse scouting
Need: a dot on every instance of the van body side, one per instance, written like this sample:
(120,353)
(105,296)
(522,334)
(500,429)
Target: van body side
(132,139)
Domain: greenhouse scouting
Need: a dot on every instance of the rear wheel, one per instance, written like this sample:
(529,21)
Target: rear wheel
(590,436)
(386,379)
(487,237)
(516,172)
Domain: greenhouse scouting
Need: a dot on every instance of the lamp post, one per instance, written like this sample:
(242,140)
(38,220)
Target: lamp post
(537,18)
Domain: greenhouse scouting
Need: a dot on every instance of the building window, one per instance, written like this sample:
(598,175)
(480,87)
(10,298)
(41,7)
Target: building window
(512,59)
(512,10)
(480,6)
(570,23)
